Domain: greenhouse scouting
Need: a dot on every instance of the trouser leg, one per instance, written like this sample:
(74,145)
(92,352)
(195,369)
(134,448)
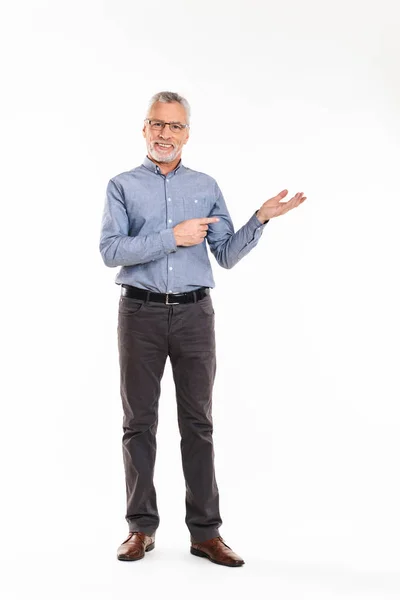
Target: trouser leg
(193,359)
(143,349)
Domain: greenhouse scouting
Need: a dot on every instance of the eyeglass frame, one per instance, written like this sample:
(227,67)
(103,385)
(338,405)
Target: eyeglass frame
(169,123)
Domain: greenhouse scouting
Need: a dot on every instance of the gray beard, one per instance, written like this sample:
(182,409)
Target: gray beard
(162,157)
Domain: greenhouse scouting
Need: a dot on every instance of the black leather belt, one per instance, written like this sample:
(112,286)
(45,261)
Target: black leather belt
(140,294)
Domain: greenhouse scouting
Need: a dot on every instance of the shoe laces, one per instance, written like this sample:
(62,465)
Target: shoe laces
(220,539)
(140,535)
(216,540)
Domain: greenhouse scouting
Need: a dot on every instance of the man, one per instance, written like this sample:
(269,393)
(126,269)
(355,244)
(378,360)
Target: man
(155,223)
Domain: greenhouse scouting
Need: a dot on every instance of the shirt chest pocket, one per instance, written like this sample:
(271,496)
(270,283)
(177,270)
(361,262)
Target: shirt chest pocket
(195,206)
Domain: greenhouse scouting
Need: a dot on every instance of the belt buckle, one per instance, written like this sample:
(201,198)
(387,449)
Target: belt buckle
(166,301)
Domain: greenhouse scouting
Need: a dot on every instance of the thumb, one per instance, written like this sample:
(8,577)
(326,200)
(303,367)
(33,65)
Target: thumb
(281,194)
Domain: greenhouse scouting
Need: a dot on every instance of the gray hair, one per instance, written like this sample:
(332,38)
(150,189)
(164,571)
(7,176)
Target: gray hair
(170,97)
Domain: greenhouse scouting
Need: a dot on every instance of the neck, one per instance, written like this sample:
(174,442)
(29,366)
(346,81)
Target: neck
(166,168)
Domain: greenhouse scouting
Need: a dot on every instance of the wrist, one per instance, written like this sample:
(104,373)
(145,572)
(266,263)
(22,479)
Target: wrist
(260,218)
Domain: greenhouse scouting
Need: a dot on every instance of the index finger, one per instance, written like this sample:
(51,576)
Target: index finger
(208,220)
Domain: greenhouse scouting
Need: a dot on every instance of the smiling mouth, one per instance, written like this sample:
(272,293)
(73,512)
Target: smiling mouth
(163,147)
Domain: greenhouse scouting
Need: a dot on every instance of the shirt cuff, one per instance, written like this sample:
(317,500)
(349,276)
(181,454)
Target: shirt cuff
(168,240)
(255,221)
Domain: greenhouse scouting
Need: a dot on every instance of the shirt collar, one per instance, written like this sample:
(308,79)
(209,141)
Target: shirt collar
(151,166)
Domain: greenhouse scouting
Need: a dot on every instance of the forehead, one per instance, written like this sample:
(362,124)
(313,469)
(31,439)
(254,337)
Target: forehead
(168,111)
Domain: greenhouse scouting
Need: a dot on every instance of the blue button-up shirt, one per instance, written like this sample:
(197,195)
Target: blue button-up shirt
(141,208)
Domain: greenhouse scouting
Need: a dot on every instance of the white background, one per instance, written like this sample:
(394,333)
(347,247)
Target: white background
(303,96)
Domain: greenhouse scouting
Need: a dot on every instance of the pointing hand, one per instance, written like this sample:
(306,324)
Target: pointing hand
(192,231)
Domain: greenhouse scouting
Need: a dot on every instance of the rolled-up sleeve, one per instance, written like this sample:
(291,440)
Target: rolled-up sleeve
(117,247)
(227,246)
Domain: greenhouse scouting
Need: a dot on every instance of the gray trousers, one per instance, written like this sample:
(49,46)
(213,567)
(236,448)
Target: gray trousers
(148,332)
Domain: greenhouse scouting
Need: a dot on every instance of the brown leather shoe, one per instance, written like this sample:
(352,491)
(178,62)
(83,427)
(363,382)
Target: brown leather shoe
(135,546)
(217,551)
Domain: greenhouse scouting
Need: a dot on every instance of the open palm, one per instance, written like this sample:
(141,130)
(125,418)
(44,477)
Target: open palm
(274,207)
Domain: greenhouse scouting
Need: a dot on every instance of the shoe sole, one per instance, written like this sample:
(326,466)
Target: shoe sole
(217,562)
(149,547)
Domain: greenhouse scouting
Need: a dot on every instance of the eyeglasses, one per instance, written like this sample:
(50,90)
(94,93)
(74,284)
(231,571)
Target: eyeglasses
(159,125)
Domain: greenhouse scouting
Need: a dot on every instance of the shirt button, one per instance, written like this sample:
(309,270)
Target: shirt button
(169,199)
(169,220)
(195,200)
(170,268)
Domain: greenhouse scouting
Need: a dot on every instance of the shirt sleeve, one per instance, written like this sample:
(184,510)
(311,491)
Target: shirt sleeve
(227,246)
(117,247)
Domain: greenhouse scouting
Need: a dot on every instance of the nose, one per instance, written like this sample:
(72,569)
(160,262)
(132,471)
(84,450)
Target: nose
(165,133)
